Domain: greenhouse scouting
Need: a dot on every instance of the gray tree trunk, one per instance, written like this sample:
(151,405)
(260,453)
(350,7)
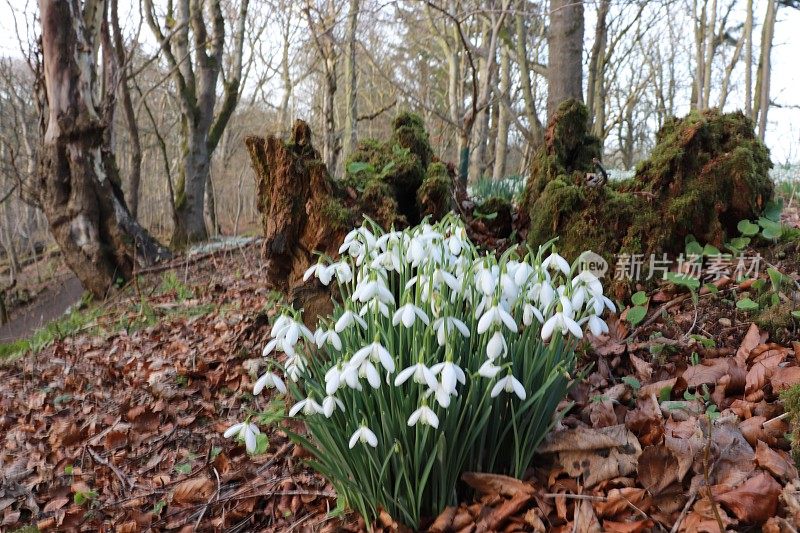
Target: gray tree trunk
(565,52)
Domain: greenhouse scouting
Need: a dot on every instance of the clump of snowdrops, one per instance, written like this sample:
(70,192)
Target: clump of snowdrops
(437,360)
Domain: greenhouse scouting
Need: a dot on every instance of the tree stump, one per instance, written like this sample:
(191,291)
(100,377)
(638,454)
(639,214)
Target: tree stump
(306,212)
(707,172)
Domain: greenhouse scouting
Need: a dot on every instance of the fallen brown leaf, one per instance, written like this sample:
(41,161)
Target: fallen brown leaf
(776,462)
(750,341)
(785,377)
(193,490)
(497,484)
(658,468)
(754,501)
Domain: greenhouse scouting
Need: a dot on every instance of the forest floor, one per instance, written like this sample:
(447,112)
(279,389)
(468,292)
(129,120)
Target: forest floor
(116,421)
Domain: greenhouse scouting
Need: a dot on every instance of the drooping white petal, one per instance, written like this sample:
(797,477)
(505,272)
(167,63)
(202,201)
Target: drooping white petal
(233,430)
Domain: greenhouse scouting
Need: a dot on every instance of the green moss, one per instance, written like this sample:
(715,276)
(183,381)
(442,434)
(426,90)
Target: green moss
(791,405)
(707,172)
(337,214)
(775,319)
(435,195)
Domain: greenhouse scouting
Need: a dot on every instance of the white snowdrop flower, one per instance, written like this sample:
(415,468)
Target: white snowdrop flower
(445,325)
(269,380)
(355,241)
(442,395)
(368,370)
(248,432)
(600,303)
(597,325)
(364,435)
(293,331)
(522,274)
(347,319)
(488,369)
(509,384)
(329,405)
(497,346)
(374,306)
(442,276)
(486,282)
(424,415)
(343,272)
(309,406)
(373,289)
(333,378)
(562,321)
(451,374)
(496,315)
(350,376)
(589,280)
(321,271)
(509,287)
(421,373)
(557,262)
(416,252)
(578,297)
(330,336)
(408,314)
(389,260)
(546,295)
(529,312)
(377,353)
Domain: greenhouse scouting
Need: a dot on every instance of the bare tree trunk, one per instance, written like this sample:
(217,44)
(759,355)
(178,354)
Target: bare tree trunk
(351,77)
(765,69)
(748,58)
(700,54)
(83,205)
(535,127)
(135,177)
(565,43)
(501,141)
(594,87)
(711,48)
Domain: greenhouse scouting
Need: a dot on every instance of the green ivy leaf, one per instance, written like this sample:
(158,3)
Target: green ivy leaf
(747,228)
(636,314)
(639,298)
(711,288)
(796,314)
(359,166)
(694,248)
(773,209)
(683,280)
(738,243)
(710,250)
(770,228)
(746,304)
(775,277)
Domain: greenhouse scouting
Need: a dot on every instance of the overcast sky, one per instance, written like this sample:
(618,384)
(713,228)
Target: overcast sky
(783,130)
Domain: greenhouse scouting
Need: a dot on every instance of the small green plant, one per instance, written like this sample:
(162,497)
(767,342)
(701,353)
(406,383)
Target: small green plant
(170,283)
(82,497)
(791,405)
(639,310)
(508,188)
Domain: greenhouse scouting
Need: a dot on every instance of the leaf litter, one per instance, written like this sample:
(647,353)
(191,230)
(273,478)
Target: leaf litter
(122,428)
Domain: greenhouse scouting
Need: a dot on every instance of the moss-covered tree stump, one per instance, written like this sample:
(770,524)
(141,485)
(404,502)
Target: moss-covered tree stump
(707,172)
(304,211)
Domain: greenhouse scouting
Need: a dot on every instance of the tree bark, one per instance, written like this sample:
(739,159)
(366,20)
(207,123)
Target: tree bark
(87,216)
(595,96)
(761,106)
(565,44)
(748,61)
(501,141)
(351,76)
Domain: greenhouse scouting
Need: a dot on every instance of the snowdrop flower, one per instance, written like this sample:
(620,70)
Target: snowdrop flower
(350,376)
(496,315)
(486,282)
(589,280)
(528,314)
(596,325)
(329,405)
(451,374)
(270,380)
(497,346)
(407,314)
(522,274)
(376,352)
(330,336)
(376,306)
(355,241)
(248,432)
(388,260)
(364,435)
(321,271)
(342,271)
(488,369)
(279,345)
(562,321)
(424,415)
(309,406)
(556,261)
(367,370)
(333,378)
(599,303)
(422,375)
(509,384)
(347,319)
(373,289)
(291,331)
(445,325)
(415,253)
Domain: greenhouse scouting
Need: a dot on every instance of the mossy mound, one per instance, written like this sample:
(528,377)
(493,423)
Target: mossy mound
(707,172)
(396,179)
(496,214)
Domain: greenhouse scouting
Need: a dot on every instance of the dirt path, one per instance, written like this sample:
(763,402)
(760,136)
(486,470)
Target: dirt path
(48,305)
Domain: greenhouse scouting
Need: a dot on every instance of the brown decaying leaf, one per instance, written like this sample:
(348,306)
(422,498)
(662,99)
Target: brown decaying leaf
(755,500)
(785,377)
(496,484)
(777,462)
(194,490)
(658,468)
(751,339)
(585,519)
